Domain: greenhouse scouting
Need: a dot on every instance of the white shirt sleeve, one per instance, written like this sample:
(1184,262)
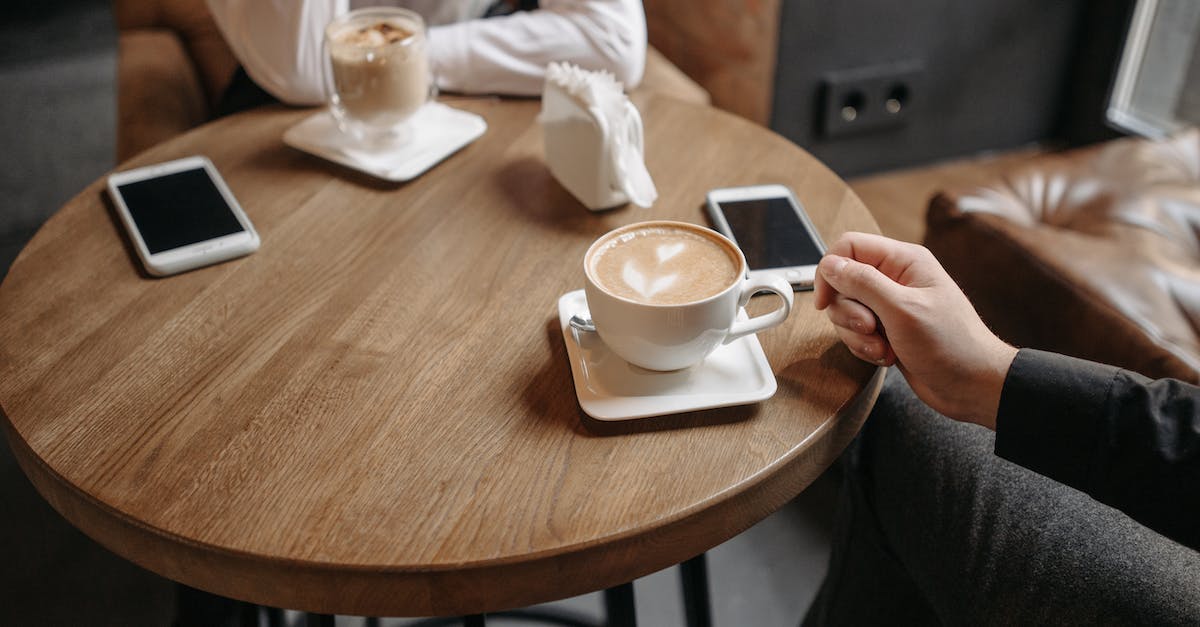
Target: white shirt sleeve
(279,43)
(508,55)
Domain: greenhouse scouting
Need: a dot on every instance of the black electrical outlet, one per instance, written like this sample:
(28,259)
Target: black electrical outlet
(869,99)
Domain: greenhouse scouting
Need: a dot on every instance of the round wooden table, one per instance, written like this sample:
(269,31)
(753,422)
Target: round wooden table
(374,413)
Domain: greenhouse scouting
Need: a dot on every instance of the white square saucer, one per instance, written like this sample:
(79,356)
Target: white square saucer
(609,388)
(438,132)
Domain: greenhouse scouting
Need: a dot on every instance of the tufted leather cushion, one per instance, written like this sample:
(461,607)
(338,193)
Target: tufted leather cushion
(1094,255)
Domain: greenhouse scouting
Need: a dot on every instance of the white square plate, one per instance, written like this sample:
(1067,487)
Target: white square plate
(438,132)
(609,388)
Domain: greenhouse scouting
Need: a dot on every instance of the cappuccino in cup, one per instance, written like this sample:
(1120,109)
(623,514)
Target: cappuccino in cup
(664,265)
(663,295)
(379,71)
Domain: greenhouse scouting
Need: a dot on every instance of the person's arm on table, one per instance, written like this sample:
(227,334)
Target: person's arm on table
(1126,441)
(1121,438)
(509,54)
(279,43)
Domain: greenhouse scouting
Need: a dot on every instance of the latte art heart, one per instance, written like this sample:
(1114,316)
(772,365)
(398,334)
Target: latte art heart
(665,265)
(667,251)
(643,285)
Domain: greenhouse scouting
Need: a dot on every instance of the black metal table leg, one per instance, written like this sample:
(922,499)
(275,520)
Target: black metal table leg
(696,605)
(197,608)
(275,617)
(619,606)
(319,620)
(248,614)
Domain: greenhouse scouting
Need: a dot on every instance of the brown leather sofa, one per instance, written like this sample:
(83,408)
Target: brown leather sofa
(1094,254)
(173,66)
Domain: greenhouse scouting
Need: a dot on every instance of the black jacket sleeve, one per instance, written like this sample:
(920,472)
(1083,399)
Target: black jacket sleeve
(1127,441)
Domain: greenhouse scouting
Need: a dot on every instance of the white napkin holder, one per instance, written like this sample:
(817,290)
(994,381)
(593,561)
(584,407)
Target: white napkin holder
(593,139)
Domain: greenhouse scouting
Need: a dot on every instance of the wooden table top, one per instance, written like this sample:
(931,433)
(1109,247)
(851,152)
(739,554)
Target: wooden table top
(374,413)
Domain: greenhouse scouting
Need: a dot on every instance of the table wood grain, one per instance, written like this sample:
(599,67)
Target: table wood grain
(374,413)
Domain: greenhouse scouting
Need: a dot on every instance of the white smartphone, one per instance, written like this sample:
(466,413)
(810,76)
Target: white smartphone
(181,215)
(771,228)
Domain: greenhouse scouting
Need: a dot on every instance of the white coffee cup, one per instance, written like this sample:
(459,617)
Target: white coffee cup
(378,73)
(660,324)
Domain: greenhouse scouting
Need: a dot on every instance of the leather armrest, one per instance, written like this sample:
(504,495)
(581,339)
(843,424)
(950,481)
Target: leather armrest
(1095,257)
(172,68)
(158,93)
(190,20)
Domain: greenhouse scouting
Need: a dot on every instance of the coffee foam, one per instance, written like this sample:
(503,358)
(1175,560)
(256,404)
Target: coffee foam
(356,39)
(663,265)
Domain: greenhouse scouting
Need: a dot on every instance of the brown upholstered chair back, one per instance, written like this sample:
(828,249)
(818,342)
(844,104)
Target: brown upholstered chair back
(727,46)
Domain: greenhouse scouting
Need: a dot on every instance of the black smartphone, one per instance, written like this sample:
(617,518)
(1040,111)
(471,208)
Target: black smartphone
(181,215)
(771,228)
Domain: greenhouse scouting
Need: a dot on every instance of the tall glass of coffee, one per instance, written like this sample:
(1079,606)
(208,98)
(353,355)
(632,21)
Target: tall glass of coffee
(379,74)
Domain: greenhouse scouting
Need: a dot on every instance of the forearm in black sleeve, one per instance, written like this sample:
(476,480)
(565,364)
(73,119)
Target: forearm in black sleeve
(1127,441)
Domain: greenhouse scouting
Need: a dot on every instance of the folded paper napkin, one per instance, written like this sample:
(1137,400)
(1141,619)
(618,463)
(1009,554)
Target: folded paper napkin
(593,138)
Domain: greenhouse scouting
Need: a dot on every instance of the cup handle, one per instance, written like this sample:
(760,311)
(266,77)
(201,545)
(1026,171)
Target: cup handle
(764,282)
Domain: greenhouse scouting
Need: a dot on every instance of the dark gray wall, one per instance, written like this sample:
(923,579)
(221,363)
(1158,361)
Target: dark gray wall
(995,73)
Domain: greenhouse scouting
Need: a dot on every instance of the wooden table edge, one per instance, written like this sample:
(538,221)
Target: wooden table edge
(456,589)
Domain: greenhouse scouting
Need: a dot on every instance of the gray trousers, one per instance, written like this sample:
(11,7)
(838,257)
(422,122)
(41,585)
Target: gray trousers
(932,527)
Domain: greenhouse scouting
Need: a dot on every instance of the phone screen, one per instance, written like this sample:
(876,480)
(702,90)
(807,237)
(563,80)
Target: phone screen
(770,233)
(179,209)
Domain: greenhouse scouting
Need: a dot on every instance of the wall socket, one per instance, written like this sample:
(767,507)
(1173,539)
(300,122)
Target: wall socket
(869,99)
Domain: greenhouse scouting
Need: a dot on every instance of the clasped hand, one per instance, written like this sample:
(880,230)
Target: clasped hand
(893,304)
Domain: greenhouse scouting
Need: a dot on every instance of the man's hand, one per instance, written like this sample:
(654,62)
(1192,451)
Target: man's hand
(893,303)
